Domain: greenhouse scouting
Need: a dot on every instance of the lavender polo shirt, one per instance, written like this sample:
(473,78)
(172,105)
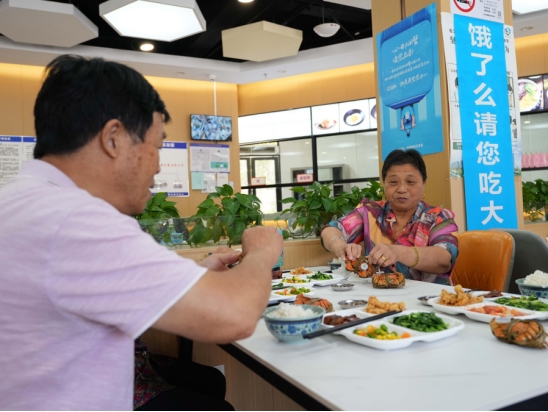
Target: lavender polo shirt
(79,282)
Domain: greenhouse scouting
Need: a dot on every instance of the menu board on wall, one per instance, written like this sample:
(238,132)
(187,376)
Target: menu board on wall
(532,93)
(286,124)
(354,116)
(325,119)
(14,150)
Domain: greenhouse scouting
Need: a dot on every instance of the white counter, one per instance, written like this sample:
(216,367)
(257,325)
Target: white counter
(468,371)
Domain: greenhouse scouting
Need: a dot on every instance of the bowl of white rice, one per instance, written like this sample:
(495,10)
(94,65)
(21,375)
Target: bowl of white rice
(288,322)
(535,284)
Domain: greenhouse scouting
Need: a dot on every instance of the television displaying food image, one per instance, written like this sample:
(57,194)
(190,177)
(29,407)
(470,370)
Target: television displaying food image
(203,127)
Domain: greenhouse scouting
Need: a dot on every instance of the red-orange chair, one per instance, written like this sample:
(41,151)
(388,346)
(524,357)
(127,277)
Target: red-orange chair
(485,261)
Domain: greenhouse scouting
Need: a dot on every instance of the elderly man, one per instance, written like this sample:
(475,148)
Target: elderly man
(80,280)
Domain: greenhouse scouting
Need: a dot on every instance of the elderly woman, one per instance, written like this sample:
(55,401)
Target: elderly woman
(402,233)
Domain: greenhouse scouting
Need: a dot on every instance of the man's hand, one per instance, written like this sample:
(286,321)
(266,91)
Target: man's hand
(221,257)
(265,240)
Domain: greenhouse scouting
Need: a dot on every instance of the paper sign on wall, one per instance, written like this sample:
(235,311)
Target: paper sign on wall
(480,9)
(173,176)
(257,181)
(14,150)
(209,157)
(305,178)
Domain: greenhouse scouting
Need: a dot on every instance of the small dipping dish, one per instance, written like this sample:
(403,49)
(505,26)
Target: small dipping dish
(424,299)
(341,287)
(334,266)
(352,303)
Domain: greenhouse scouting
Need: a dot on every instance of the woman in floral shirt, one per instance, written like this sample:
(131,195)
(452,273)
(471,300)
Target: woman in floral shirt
(402,233)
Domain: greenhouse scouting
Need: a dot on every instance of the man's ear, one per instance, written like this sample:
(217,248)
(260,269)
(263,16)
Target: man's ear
(110,137)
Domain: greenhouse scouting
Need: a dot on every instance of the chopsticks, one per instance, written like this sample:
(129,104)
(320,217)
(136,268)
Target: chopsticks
(349,325)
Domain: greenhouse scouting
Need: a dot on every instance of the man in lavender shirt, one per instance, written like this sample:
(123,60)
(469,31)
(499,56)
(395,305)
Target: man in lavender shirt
(80,281)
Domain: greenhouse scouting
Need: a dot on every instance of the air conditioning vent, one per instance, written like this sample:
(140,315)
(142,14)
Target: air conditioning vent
(259,150)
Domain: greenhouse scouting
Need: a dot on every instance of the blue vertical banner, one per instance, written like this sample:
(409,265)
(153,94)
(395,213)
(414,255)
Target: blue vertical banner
(409,84)
(486,135)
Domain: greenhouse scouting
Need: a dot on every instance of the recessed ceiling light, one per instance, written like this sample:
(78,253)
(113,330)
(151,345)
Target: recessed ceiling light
(282,71)
(324,152)
(245,1)
(181,73)
(306,142)
(165,20)
(146,46)
(527,122)
(527,28)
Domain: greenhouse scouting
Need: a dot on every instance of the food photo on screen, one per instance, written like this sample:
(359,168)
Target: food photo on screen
(530,94)
(204,127)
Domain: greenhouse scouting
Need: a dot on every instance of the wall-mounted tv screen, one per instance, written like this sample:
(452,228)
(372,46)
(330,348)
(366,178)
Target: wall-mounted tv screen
(210,127)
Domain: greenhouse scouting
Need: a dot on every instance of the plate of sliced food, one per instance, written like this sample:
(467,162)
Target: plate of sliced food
(487,311)
(530,303)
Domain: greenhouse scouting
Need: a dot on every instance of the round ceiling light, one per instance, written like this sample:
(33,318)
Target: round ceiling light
(327,29)
(147,47)
(245,1)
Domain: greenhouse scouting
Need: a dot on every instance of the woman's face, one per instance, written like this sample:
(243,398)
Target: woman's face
(403,187)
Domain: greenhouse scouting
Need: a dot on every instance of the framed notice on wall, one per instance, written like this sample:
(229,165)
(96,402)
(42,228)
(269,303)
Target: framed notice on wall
(14,150)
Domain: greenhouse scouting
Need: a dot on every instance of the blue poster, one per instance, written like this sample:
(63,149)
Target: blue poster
(486,134)
(409,84)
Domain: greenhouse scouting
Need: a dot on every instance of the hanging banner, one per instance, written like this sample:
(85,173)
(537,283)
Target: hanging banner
(448,31)
(409,85)
(484,108)
(173,176)
(480,9)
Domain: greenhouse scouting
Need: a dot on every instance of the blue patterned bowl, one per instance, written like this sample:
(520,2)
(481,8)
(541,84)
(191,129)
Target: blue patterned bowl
(293,329)
(532,290)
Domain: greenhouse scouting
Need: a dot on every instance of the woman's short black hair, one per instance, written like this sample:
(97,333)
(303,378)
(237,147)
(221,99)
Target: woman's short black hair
(79,96)
(400,157)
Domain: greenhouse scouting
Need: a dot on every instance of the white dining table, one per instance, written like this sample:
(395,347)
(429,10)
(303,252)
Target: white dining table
(470,370)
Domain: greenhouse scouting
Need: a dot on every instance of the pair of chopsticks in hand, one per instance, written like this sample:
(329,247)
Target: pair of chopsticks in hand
(349,325)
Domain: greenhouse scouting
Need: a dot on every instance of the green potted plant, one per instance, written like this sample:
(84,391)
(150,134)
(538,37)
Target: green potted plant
(155,220)
(228,217)
(315,208)
(372,192)
(535,198)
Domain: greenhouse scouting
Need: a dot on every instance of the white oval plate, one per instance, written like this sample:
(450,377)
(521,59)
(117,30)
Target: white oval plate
(336,279)
(540,315)
(450,310)
(455,325)
(308,284)
(483,317)
(289,274)
(275,296)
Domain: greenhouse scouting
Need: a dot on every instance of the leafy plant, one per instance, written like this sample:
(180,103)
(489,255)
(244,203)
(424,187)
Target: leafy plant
(230,217)
(316,207)
(155,219)
(373,192)
(535,197)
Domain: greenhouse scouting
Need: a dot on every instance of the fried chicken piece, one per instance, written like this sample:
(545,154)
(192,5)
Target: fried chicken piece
(377,307)
(460,298)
